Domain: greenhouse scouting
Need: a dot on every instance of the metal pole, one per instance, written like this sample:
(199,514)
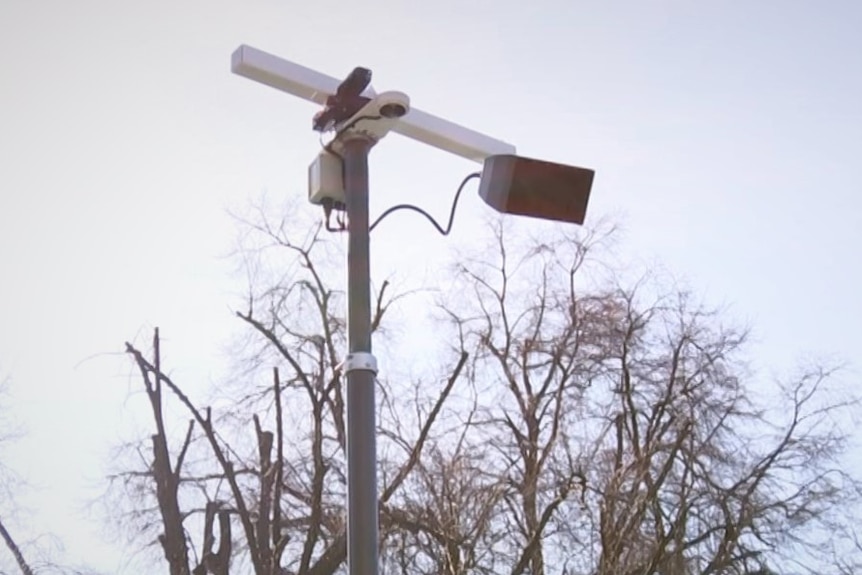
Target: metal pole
(362,537)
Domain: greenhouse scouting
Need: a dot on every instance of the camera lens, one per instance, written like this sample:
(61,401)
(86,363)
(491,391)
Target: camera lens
(392,110)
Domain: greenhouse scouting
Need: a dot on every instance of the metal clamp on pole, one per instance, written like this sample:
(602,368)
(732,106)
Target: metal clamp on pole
(360,361)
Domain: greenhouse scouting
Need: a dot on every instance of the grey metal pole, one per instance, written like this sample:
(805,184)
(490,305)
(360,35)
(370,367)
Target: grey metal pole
(362,532)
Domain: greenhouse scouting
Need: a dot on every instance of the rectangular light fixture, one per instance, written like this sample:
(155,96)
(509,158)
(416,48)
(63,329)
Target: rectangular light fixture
(515,185)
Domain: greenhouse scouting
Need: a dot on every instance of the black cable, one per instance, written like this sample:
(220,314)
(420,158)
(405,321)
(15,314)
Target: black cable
(328,206)
(338,206)
(426,214)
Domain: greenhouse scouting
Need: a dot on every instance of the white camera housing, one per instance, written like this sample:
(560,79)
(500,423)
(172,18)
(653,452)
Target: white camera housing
(372,121)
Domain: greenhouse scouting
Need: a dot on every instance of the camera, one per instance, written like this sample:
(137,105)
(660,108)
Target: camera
(346,101)
(354,84)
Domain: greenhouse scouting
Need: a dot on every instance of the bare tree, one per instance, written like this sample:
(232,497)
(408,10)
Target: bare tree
(29,555)
(692,476)
(7,481)
(624,433)
(15,550)
(578,426)
(287,494)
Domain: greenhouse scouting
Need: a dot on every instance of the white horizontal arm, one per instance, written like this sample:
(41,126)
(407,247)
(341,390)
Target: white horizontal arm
(451,137)
(314,86)
(284,75)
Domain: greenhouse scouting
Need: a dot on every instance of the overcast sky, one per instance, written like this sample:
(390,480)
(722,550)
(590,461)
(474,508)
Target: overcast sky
(726,137)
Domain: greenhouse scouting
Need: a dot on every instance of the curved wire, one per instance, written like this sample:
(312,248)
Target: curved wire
(419,210)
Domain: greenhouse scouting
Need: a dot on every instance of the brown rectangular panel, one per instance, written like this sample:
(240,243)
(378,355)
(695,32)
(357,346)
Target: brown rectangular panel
(536,188)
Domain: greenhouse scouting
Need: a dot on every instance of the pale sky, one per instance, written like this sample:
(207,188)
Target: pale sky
(725,135)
